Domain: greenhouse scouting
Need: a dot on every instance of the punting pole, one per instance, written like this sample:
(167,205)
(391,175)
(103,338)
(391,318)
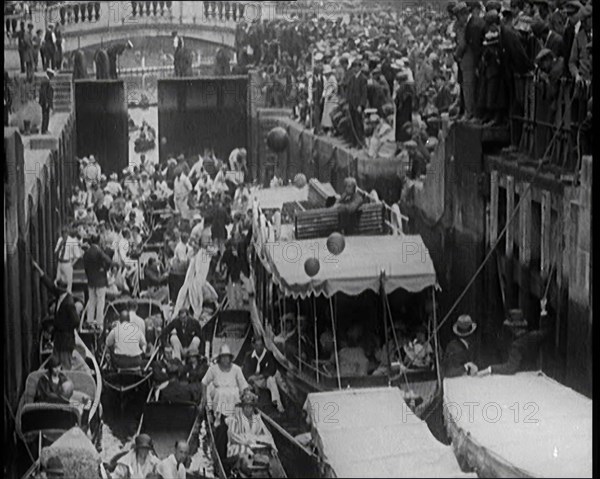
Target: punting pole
(299,335)
(435,339)
(316,336)
(385,326)
(337,362)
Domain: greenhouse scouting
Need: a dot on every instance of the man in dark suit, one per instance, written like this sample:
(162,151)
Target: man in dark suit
(548,39)
(474,30)
(20,36)
(459,354)
(186,334)
(96,263)
(101,60)
(29,52)
(524,349)
(113,53)
(46,99)
(66,319)
(317,96)
(260,368)
(357,100)
(49,47)
(572,9)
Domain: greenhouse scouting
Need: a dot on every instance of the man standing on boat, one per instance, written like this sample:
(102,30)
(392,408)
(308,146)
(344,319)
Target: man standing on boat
(68,251)
(138,462)
(96,264)
(524,349)
(459,354)
(66,319)
(260,369)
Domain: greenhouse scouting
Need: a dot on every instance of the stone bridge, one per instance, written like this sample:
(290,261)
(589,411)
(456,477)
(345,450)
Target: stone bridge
(89,24)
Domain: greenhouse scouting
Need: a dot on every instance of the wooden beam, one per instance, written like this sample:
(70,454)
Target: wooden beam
(525,225)
(493,224)
(546,233)
(510,206)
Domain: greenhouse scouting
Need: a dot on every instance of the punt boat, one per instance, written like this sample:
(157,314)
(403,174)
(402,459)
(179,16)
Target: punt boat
(521,425)
(131,379)
(232,327)
(39,424)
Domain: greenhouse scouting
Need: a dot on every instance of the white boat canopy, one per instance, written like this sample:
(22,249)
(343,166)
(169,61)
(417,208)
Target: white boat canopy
(526,424)
(372,432)
(404,259)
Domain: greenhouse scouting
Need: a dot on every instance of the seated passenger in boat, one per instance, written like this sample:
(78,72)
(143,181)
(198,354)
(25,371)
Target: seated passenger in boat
(174,466)
(178,389)
(127,343)
(156,280)
(194,371)
(260,368)
(419,353)
(184,333)
(246,430)
(227,381)
(135,319)
(138,462)
(352,358)
(78,399)
(117,285)
(166,367)
(49,386)
(524,348)
(348,205)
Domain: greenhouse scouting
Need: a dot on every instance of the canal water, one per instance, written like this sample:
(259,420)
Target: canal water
(121,418)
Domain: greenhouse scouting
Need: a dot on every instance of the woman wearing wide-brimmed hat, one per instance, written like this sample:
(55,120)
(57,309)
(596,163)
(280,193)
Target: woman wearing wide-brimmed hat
(246,427)
(459,354)
(222,384)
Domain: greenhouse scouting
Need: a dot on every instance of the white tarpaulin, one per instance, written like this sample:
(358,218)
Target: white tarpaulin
(275,197)
(526,420)
(371,432)
(190,293)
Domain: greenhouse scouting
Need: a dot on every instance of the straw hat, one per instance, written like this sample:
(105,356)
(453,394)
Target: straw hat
(143,441)
(224,351)
(464,326)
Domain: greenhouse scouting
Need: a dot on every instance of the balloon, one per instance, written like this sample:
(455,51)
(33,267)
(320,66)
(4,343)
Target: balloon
(277,139)
(163,140)
(336,243)
(312,266)
(300,180)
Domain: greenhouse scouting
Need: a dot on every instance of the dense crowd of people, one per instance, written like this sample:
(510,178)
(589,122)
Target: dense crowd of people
(391,77)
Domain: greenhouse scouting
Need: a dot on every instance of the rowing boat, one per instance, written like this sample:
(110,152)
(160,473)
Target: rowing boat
(39,424)
(131,379)
(224,468)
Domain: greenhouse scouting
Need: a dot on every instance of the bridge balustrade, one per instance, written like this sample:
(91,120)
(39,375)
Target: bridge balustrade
(551,126)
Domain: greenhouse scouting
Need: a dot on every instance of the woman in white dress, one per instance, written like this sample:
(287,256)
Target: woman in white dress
(330,97)
(222,385)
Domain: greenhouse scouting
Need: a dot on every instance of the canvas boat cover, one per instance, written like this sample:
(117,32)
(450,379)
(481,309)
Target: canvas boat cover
(531,423)
(405,260)
(275,197)
(371,432)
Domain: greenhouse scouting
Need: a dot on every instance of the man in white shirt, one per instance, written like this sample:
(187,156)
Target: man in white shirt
(135,319)
(146,186)
(197,229)
(197,169)
(113,186)
(68,251)
(173,467)
(91,171)
(182,188)
(162,190)
(127,343)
